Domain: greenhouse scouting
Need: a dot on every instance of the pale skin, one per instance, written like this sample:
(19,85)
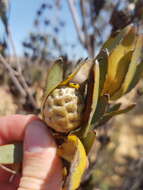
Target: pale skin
(42,168)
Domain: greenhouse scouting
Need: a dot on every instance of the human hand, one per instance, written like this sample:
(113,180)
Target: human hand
(42,168)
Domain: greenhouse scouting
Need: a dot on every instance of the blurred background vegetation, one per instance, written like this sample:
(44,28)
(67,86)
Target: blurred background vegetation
(75,29)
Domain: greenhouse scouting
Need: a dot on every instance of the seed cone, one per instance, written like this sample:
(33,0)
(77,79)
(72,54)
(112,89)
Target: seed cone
(63,109)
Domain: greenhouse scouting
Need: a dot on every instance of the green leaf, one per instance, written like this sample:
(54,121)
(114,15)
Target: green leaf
(118,62)
(54,78)
(92,98)
(101,109)
(134,71)
(122,70)
(11,153)
(89,140)
(109,115)
(114,107)
(102,100)
(80,74)
(83,72)
(137,59)
(116,38)
(102,58)
(137,76)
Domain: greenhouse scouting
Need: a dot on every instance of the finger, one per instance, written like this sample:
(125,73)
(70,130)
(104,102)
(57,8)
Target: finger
(12,127)
(4,175)
(42,168)
(7,186)
(15,180)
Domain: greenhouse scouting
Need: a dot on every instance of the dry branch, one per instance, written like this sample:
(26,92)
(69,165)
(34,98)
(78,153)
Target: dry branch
(23,89)
(19,70)
(12,76)
(76,21)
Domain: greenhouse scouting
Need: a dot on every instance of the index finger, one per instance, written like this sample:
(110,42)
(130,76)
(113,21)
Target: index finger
(12,128)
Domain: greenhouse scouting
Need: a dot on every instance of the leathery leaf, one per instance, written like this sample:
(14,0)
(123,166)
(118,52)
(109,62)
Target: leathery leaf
(101,109)
(92,98)
(102,58)
(80,74)
(89,140)
(83,72)
(73,151)
(114,107)
(11,153)
(115,39)
(102,102)
(118,62)
(136,61)
(54,78)
(106,117)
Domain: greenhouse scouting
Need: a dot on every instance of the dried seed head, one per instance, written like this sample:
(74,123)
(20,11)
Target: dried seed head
(63,109)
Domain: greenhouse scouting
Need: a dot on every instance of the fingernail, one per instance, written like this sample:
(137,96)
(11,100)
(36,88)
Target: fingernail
(37,137)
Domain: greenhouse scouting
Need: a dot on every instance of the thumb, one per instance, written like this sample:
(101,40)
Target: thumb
(42,168)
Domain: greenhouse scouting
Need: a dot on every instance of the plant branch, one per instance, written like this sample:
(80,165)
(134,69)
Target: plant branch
(12,76)
(76,21)
(24,90)
(22,79)
(19,70)
(87,42)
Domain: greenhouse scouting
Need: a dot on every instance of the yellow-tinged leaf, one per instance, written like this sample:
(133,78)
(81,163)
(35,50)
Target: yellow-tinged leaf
(116,38)
(92,98)
(74,85)
(78,164)
(67,149)
(118,62)
(80,74)
(122,70)
(136,60)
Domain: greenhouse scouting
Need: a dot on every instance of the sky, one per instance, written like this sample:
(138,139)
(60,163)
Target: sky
(22,13)
(21,17)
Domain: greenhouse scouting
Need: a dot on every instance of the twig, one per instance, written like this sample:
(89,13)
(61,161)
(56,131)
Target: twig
(19,70)
(9,35)
(12,75)
(87,42)
(23,90)
(76,21)
(22,79)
